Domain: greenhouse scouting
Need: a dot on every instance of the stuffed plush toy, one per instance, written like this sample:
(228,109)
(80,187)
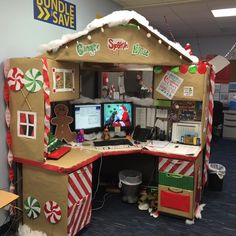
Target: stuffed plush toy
(148,200)
(106,135)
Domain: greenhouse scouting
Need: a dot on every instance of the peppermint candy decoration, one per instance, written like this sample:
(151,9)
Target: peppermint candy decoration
(52,212)
(15,79)
(33,80)
(32,207)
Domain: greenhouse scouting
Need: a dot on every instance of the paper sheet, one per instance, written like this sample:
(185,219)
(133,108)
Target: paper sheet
(151,112)
(159,144)
(179,149)
(121,84)
(162,113)
(161,124)
(140,116)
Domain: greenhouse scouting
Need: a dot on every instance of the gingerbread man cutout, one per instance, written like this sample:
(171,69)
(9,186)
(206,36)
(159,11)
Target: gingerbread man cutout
(62,121)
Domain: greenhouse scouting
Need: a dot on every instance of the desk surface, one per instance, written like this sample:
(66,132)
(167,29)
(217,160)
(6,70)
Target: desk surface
(6,198)
(80,156)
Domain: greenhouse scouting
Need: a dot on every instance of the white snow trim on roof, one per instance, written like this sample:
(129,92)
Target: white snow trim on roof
(114,19)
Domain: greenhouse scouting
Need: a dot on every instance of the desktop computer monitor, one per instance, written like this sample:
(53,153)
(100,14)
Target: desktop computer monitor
(118,114)
(87,117)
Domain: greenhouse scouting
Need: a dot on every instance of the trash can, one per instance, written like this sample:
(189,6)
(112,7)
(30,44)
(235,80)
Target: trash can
(129,182)
(216,173)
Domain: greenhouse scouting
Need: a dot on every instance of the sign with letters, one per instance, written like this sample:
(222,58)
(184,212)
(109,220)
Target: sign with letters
(57,12)
(91,49)
(169,84)
(115,44)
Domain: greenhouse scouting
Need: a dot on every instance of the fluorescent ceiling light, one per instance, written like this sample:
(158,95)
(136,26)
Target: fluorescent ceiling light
(224,12)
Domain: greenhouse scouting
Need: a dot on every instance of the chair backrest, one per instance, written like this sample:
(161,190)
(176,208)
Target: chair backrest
(218,114)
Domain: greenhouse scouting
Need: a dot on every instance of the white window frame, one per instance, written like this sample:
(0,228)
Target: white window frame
(27,124)
(64,71)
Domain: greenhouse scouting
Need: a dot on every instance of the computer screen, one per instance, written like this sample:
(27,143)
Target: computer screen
(87,117)
(118,115)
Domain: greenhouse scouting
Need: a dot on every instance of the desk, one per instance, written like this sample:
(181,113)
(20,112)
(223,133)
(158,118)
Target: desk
(68,183)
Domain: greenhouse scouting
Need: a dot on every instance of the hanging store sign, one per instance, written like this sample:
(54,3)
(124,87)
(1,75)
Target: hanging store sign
(57,12)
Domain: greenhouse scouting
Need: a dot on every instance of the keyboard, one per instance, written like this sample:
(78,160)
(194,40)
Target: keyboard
(112,142)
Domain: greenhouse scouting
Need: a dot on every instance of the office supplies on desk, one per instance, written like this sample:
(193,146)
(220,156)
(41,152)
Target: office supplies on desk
(141,134)
(183,131)
(59,152)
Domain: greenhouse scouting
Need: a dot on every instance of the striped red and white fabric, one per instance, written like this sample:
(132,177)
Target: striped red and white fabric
(6,95)
(47,106)
(79,199)
(176,166)
(209,126)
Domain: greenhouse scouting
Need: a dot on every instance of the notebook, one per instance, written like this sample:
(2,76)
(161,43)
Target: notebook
(59,152)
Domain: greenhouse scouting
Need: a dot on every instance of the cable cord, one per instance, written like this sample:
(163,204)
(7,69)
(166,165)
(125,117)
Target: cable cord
(12,223)
(98,182)
(105,197)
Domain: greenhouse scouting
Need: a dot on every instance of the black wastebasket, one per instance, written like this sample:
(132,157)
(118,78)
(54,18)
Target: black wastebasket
(216,173)
(129,182)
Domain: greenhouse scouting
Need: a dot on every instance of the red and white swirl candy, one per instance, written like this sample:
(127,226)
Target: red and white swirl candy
(15,79)
(52,212)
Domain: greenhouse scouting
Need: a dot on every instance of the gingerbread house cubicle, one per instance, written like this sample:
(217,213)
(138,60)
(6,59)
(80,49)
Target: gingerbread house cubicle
(32,84)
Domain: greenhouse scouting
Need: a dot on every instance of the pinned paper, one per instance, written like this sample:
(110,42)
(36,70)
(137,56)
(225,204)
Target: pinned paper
(188,91)
(121,84)
(169,84)
(140,116)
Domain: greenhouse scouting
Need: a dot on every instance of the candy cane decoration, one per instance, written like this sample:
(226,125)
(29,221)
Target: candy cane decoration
(6,93)
(47,106)
(209,125)
(52,212)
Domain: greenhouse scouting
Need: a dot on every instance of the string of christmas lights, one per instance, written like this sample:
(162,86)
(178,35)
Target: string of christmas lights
(231,50)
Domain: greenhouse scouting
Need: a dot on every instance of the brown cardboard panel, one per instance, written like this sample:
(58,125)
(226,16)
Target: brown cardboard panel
(196,81)
(158,53)
(65,95)
(6,198)
(30,149)
(45,186)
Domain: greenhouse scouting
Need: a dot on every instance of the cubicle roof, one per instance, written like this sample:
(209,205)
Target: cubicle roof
(126,26)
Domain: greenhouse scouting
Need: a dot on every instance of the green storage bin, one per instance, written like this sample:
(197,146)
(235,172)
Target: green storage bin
(176,180)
